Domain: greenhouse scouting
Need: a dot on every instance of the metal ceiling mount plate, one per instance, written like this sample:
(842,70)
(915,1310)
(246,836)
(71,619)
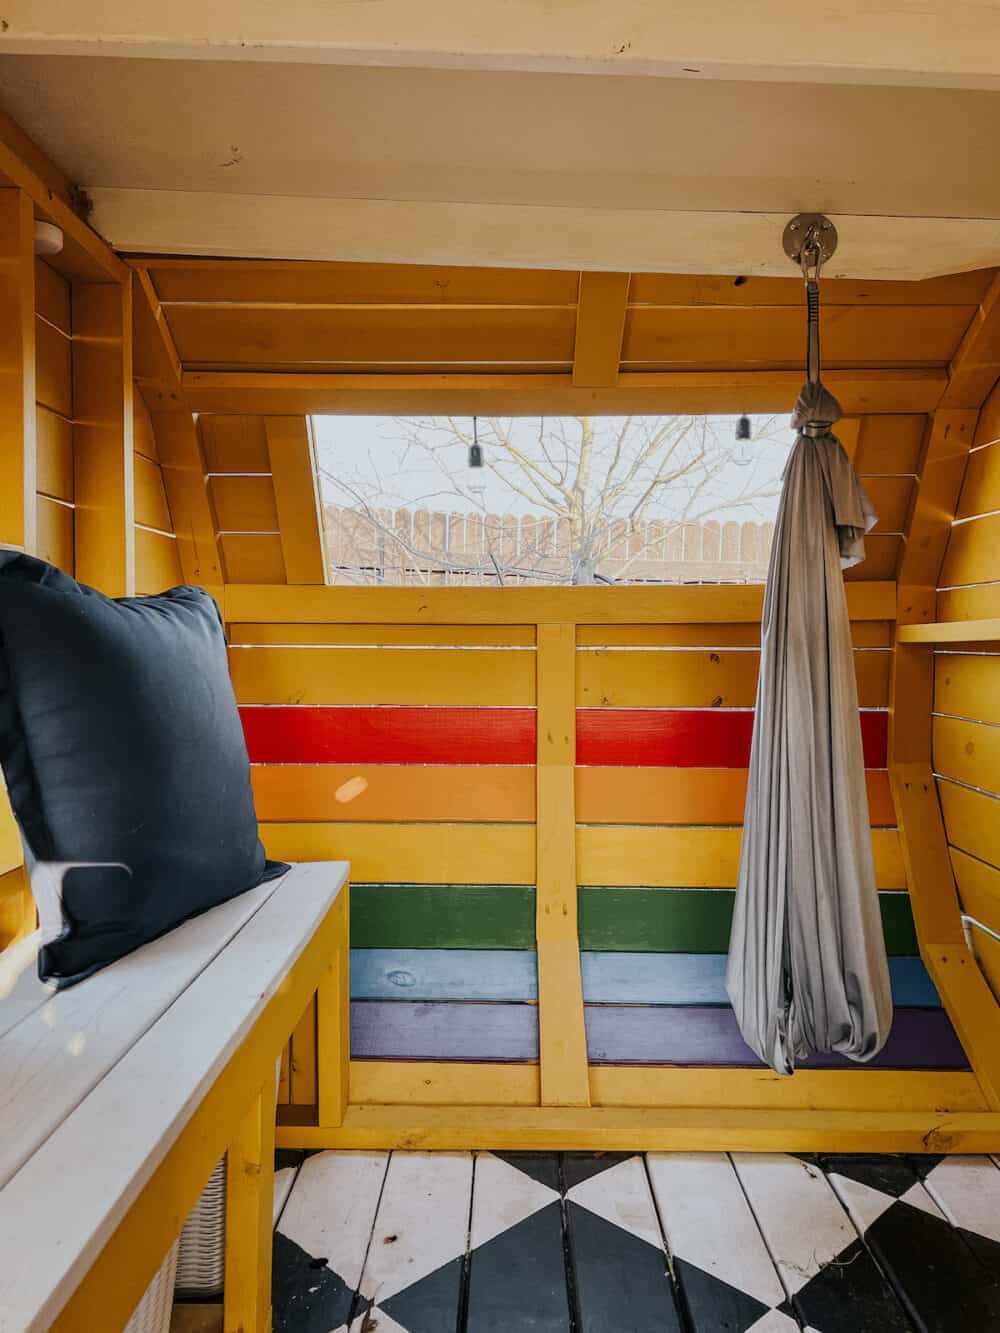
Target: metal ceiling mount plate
(812,227)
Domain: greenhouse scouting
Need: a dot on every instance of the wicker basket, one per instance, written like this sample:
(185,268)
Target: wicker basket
(201,1258)
(152,1314)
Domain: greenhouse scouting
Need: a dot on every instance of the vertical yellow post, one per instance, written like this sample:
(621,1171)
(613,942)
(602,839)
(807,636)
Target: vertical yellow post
(565,1077)
(102,436)
(249,1218)
(333,1024)
(291,451)
(17,371)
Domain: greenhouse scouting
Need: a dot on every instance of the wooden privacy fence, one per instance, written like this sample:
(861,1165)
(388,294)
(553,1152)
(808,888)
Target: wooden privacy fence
(437,547)
(541,793)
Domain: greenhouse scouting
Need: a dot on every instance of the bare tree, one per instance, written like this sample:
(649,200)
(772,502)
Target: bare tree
(586,487)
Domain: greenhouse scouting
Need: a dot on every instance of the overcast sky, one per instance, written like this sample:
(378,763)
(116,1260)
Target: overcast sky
(377,460)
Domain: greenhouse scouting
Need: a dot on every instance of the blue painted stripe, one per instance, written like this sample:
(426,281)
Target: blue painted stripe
(444,974)
(608,977)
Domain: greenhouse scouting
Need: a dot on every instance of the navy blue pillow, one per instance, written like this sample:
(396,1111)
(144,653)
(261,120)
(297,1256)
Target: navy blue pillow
(121,744)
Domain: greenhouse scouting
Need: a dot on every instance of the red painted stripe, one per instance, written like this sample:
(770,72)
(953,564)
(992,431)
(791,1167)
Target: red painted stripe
(688,737)
(279,735)
(629,737)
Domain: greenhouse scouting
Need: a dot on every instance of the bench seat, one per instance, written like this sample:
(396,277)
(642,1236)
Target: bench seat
(135,1082)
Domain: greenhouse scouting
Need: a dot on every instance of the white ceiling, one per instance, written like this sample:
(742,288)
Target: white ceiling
(466,166)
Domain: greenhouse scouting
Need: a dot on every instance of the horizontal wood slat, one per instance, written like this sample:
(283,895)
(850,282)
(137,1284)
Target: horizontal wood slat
(890,445)
(692,857)
(249,557)
(684,605)
(973,554)
(968,752)
(505,793)
(967,685)
(55,542)
(54,444)
(981,487)
(978,888)
(674,920)
(865,634)
(628,737)
(722,338)
(151,508)
(982,603)
(710,738)
(972,821)
(390,636)
(244,504)
(431,1083)
(316,336)
(157,562)
(688,796)
(234,443)
(394,792)
(511,975)
(53,369)
(52,297)
(670,289)
(412,853)
(443,916)
(390,735)
(690,679)
(626,1034)
(633,1034)
(437,676)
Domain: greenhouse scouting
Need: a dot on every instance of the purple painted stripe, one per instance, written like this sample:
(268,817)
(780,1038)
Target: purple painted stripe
(616,1034)
(641,1035)
(443,1030)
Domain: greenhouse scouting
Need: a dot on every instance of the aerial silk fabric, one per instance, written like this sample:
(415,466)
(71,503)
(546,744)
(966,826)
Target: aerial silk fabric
(807,963)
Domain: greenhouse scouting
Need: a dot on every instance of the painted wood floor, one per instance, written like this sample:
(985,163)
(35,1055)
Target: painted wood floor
(611,1243)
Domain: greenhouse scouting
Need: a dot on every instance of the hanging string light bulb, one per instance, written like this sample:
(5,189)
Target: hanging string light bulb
(475,448)
(742,456)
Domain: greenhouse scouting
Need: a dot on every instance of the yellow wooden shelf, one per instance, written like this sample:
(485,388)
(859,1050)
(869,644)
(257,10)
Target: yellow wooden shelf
(951,631)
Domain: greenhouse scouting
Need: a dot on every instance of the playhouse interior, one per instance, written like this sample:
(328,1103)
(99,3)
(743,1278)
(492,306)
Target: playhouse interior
(538,788)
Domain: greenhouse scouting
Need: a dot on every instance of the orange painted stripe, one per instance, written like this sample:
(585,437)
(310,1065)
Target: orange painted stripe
(688,796)
(394,793)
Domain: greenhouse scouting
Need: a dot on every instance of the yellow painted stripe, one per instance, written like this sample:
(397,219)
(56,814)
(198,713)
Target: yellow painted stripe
(972,821)
(705,858)
(412,853)
(696,679)
(687,796)
(968,752)
(355,793)
(978,888)
(729,604)
(973,554)
(865,633)
(429,1083)
(817,1089)
(383,676)
(967,685)
(388,636)
(981,487)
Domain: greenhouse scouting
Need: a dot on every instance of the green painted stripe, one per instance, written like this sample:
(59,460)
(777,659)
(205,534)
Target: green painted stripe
(695,920)
(442,916)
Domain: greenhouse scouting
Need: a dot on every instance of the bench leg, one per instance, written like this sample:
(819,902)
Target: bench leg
(333,1013)
(249,1218)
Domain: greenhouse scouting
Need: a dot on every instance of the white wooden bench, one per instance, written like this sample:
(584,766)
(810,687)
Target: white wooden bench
(119,1096)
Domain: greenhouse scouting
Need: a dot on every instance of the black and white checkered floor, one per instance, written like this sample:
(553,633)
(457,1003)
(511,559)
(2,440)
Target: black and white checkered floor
(611,1243)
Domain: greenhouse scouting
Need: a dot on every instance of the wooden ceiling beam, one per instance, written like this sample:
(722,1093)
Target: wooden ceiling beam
(934,43)
(860,392)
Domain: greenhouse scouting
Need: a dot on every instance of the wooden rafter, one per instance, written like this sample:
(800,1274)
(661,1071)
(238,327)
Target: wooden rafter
(975,366)
(600,328)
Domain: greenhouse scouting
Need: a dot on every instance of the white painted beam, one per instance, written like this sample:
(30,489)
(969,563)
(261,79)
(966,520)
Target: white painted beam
(943,43)
(522,236)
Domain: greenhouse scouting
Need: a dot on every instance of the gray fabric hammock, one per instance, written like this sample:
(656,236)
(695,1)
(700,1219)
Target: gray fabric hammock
(807,965)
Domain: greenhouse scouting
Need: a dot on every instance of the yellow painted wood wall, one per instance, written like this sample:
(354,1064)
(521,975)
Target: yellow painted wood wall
(966,725)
